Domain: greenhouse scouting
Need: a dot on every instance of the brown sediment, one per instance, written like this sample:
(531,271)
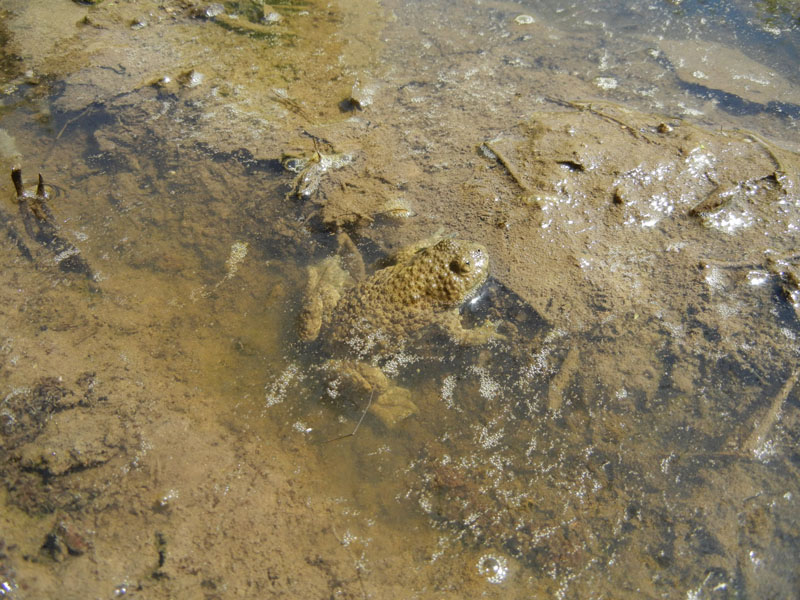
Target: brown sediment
(199,436)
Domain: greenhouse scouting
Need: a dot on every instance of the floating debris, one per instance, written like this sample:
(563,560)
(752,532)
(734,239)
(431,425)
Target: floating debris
(310,169)
(238,254)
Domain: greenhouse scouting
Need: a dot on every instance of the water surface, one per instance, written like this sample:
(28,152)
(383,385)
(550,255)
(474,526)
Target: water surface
(630,428)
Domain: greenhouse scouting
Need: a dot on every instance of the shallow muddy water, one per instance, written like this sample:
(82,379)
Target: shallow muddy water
(399,299)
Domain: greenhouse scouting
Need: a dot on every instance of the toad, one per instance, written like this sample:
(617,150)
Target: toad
(420,291)
(424,286)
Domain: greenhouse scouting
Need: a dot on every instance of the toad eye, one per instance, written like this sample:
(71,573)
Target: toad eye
(459,266)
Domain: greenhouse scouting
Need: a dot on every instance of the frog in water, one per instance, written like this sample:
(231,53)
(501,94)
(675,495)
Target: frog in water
(422,289)
(424,286)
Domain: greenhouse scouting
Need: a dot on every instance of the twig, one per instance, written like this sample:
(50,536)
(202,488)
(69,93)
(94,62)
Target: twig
(69,122)
(590,107)
(501,158)
(773,154)
(558,385)
(756,438)
(283,98)
(88,110)
(352,433)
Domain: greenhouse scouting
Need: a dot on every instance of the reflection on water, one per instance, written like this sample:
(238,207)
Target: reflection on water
(614,413)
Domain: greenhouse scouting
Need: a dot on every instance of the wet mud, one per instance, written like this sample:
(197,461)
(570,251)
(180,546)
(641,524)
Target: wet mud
(621,423)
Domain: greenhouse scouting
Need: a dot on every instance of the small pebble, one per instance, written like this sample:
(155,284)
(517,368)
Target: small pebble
(208,11)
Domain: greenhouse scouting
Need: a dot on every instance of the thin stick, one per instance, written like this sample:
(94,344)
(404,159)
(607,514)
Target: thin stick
(16,177)
(352,433)
(763,428)
(40,193)
(590,107)
(73,119)
(364,414)
(69,122)
(501,158)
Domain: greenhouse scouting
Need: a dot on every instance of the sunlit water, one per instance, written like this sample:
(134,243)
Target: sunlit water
(630,431)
